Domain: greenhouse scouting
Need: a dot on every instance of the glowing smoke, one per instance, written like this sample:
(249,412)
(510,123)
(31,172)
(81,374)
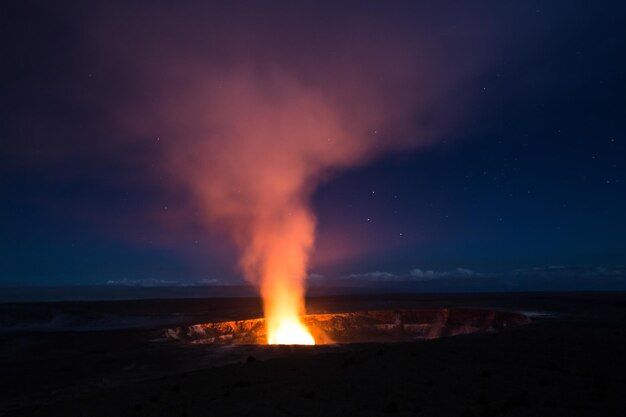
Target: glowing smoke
(269,141)
(255,122)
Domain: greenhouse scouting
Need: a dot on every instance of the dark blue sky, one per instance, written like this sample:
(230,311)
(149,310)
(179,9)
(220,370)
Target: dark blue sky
(529,185)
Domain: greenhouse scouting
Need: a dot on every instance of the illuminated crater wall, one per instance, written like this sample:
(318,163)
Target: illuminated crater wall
(358,327)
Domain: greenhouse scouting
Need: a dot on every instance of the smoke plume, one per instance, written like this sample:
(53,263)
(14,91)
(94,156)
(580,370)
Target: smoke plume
(254,118)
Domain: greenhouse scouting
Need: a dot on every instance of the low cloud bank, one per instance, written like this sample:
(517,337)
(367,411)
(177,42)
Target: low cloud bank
(538,278)
(415,275)
(152,282)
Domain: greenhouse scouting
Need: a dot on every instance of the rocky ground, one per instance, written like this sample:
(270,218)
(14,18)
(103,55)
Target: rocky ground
(572,364)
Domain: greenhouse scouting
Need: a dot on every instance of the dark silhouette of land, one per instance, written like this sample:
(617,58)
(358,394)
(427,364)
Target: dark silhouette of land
(568,362)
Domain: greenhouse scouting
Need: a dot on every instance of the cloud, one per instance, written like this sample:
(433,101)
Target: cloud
(559,271)
(537,278)
(415,275)
(152,282)
(208,281)
(374,276)
(420,275)
(315,276)
(149,282)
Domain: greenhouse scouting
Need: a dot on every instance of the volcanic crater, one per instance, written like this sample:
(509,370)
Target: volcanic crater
(358,327)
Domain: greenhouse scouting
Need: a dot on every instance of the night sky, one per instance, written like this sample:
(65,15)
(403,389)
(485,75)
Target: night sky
(520,183)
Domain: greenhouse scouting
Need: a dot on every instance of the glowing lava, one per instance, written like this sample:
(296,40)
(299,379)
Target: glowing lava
(288,331)
(276,256)
(284,305)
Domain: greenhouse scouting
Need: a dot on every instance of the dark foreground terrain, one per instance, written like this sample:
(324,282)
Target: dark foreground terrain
(570,361)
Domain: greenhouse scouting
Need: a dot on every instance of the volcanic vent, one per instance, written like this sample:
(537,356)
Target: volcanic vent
(358,327)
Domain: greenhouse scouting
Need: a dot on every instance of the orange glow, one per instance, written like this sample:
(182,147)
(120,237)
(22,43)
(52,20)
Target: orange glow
(252,144)
(253,123)
(288,331)
(278,252)
(263,145)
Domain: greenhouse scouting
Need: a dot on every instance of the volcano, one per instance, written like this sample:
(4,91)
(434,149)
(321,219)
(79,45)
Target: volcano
(378,326)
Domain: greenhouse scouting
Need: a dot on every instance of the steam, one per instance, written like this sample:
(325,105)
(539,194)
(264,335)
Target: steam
(269,140)
(256,122)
